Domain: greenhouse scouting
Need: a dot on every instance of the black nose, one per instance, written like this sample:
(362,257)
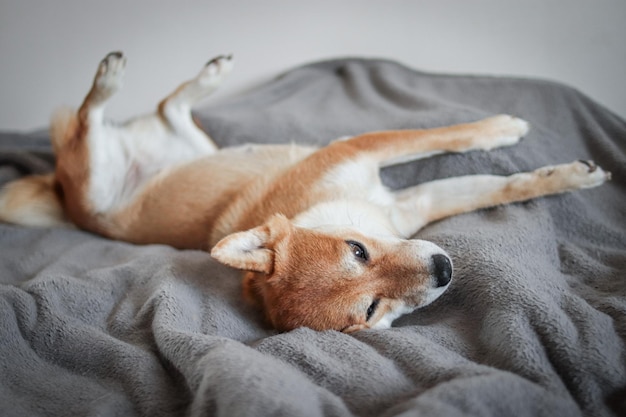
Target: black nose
(442,269)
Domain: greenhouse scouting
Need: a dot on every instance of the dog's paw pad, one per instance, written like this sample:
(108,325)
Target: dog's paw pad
(111,70)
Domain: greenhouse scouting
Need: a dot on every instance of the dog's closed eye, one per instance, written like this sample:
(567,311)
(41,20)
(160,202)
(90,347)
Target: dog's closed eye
(372,309)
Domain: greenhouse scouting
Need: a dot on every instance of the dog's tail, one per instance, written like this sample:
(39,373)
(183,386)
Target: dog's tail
(32,201)
(35,200)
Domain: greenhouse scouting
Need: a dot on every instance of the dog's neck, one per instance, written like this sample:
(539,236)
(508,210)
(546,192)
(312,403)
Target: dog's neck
(369,218)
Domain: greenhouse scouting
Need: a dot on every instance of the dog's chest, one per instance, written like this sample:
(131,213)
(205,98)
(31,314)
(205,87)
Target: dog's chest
(351,195)
(356,179)
(369,219)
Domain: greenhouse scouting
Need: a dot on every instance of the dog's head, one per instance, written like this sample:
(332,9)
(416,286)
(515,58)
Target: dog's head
(335,278)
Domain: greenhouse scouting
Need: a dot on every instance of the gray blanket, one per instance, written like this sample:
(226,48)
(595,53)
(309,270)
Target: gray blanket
(534,322)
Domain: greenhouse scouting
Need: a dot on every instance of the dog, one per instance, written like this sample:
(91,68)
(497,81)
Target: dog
(321,241)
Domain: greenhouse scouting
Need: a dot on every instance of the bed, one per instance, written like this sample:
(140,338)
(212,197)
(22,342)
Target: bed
(534,322)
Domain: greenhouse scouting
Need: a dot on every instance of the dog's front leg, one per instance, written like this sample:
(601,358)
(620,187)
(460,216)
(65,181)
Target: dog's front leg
(396,146)
(417,206)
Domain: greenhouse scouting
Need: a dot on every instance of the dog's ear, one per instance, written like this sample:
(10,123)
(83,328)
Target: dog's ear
(245,250)
(252,250)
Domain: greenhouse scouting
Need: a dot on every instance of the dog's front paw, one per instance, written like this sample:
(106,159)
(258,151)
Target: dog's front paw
(587,174)
(111,71)
(503,130)
(578,174)
(511,125)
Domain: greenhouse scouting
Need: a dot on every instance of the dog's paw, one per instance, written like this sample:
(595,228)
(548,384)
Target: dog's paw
(503,130)
(111,71)
(216,69)
(578,174)
(587,174)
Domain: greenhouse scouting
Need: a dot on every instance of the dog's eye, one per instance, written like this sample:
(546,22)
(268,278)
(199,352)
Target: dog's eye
(371,309)
(358,250)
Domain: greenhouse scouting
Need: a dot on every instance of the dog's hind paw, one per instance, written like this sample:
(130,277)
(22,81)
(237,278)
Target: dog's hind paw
(216,69)
(589,174)
(110,72)
(578,174)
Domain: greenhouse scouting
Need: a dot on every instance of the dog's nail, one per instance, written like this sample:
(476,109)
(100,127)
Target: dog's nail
(590,164)
(115,54)
(218,58)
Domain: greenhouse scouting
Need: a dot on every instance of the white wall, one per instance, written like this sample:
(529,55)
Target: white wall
(50,49)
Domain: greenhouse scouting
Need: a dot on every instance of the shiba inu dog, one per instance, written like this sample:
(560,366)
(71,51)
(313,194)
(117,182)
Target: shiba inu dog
(320,240)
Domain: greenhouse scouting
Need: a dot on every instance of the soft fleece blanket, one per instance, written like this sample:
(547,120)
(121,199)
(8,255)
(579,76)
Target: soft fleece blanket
(534,322)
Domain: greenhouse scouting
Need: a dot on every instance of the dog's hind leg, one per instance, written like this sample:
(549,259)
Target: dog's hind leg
(417,206)
(397,146)
(107,82)
(42,200)
(175,109)
(69,126)
(89,151)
